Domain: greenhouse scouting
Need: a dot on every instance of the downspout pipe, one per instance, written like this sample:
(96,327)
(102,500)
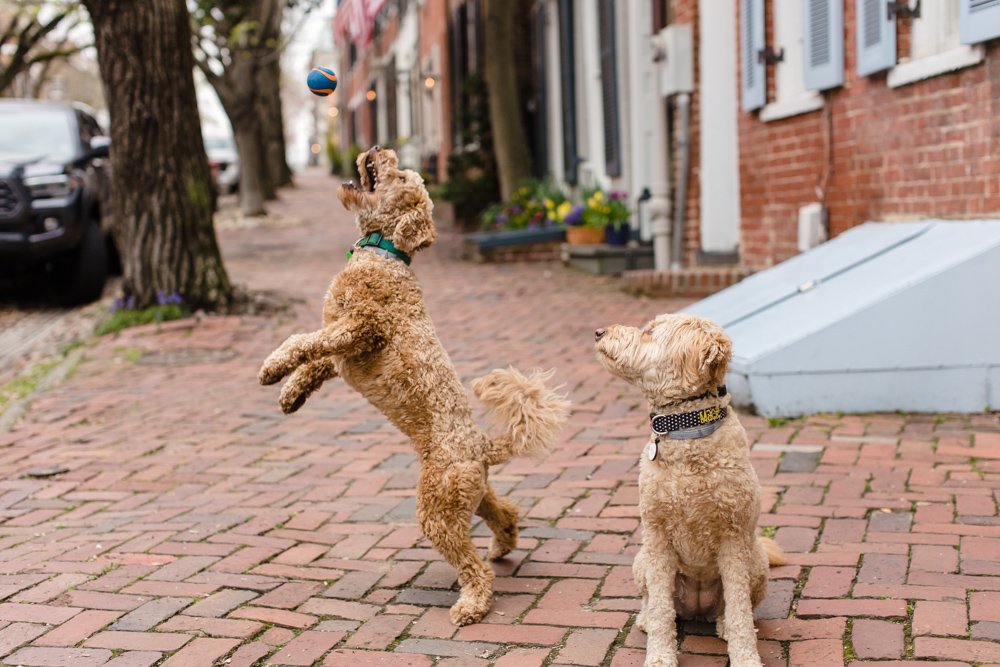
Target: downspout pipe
(683,101)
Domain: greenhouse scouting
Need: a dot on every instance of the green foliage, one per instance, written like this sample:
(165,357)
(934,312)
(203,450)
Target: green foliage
(534,204)
(349,164)
(334,156)
(124,319)
(472,172)
(603,209)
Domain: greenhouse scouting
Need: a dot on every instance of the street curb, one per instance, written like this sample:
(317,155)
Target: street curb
(16,410)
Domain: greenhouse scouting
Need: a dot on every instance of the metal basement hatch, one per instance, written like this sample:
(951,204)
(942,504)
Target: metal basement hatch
(887,316)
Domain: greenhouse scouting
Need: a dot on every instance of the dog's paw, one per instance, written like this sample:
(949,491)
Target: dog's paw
(291,401)
(271,372)
(469,610)
(502,544)
(660,661)
(640,620)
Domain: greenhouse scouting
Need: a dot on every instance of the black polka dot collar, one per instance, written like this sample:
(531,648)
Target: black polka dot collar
(693,424)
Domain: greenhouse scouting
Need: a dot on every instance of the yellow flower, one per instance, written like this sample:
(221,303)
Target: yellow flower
(599,196)
(592,202)
(564,210)
(549,204)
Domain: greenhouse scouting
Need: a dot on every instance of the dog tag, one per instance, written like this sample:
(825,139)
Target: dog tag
(653,450)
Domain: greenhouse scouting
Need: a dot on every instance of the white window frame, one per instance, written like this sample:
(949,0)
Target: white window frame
(935,45)
(791,96)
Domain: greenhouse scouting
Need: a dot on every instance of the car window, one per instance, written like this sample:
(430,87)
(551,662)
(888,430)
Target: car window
(88,128)
(32,134)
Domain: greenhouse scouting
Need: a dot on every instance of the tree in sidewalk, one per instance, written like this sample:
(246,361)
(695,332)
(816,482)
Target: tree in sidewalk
(161,187)
(238,46)
(26,36)
(500,71)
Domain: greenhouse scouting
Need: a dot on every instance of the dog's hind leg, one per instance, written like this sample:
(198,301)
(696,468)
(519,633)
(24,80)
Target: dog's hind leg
(501,516)
(305,380)
(446,499)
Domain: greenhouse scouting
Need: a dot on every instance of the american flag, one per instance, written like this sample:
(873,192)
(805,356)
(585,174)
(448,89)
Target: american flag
(355,20)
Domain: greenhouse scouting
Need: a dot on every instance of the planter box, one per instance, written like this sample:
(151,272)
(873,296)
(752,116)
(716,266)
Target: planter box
(517,245)
(607,260)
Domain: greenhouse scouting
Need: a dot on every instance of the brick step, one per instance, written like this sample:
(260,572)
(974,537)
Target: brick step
(697,281)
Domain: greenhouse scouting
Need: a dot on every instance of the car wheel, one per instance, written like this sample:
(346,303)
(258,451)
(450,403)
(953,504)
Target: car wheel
(80,278)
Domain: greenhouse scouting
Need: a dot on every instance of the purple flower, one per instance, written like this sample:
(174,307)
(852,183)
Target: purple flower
(516,208)
(164,299)
(501,219)
(575,217)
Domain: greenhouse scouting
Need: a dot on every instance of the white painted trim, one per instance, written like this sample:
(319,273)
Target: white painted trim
(591,121)
(804,103)
(925,68)
(718,115)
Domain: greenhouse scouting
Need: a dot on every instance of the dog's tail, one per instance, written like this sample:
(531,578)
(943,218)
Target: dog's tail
(775,554)
(527,413)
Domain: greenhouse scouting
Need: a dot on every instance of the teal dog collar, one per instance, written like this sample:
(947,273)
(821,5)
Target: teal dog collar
(381,245)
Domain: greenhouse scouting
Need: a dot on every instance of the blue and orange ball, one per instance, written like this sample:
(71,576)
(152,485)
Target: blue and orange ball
(321,81)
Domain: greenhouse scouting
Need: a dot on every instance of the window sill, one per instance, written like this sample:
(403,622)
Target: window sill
(808,101)
(942,63)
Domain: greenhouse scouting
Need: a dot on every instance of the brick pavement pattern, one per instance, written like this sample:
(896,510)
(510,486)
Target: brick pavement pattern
(197,525)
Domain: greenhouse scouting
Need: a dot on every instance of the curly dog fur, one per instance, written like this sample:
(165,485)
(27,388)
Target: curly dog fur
(699,499)
(378,337)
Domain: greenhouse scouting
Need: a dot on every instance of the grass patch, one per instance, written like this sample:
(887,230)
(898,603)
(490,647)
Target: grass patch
(26,383)
(769,531)
(777,422)
(127,317)
(21,386)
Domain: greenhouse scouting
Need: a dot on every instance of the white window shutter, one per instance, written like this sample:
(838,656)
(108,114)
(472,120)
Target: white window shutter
(824,44)
(979,20)
(876,37)
(752,75)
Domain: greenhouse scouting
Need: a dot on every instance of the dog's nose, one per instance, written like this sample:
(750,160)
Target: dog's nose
(376,148)
(599,334)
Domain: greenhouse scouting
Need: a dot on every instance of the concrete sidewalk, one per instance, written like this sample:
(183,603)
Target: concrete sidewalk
(198,526)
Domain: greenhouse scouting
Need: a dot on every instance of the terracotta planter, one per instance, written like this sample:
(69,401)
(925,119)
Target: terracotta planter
(584,235)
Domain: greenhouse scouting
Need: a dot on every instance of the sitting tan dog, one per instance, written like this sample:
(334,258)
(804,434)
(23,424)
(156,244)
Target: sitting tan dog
(699,497)
(377,336)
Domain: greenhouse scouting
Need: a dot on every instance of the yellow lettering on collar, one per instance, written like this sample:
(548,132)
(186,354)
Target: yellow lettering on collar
(708,415)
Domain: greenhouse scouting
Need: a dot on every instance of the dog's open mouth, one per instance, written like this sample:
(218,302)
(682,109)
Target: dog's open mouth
(372,174)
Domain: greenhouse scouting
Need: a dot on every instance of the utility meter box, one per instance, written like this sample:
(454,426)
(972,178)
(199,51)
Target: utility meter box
(673,47)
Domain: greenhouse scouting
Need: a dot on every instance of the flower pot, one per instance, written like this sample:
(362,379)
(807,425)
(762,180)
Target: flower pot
(584,235)
(618,235)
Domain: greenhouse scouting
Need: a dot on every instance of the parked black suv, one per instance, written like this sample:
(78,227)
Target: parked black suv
(54,196)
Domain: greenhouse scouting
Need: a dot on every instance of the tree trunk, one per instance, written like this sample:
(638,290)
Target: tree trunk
(161,184)
(236,90)
(273,123)
(509,140)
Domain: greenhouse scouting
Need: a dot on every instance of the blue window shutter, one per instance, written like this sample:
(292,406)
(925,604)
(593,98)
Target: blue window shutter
(824,44)
(979,20)
(876,37)
(752,74)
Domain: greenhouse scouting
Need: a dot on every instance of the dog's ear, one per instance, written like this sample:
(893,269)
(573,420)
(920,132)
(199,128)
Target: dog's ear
(717,351)
(414,231)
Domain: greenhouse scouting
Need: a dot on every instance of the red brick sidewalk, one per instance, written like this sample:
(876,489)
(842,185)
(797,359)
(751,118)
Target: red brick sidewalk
(198,526)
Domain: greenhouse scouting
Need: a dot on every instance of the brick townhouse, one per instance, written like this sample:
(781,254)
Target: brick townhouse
(756,128)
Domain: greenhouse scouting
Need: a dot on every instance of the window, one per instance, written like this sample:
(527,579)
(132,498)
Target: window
(935,44)
(791,96)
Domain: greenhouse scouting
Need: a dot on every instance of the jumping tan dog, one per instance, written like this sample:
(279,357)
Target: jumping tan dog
(377,336)
(699,497)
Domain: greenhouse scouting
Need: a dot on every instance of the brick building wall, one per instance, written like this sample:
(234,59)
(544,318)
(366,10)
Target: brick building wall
(437,101)
(926,149)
